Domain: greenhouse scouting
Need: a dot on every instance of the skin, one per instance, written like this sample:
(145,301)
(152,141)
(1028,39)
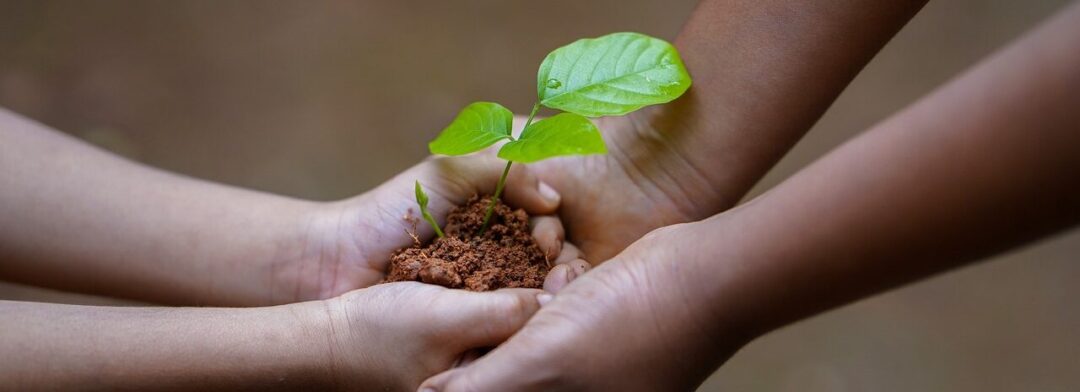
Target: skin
(77,218)
(384,338)
(764,72)
(984,164)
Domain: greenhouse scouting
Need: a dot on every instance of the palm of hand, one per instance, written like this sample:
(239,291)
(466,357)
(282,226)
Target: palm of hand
(643,183)
(393,336)
(347,244)
(625,303)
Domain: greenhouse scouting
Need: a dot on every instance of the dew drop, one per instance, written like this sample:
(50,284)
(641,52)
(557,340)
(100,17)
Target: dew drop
(553,83)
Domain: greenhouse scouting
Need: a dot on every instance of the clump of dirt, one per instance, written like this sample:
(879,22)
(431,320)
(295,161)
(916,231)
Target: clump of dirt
(506,255)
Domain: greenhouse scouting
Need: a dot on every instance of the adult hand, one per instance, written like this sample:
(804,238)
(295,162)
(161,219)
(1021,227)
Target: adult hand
(631,324)
(644,182)
(904,200)
(760,82)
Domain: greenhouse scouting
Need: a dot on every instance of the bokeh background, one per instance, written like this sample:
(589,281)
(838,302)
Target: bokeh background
(324,100)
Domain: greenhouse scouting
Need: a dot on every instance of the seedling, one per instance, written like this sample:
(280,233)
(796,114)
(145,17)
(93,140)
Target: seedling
(607,76)
(422,200)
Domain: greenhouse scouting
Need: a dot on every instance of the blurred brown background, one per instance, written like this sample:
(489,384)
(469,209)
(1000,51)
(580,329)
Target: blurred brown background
(325,100)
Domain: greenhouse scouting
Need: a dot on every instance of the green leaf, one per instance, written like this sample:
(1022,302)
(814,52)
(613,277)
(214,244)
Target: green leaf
(422,201)
(421,197)
(563,134)
(479,125)
(611,75)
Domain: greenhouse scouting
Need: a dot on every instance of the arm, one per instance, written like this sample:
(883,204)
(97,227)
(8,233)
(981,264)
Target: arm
(388,337)
(764,72)
(53,347)
(986,163)
(77,218)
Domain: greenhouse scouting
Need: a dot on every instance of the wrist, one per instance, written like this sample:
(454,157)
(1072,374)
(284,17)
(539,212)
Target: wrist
(272,348)
(307,243)
(661,136)
(309,351)
(330,337)
(258,257)
(703,298)
(735,270)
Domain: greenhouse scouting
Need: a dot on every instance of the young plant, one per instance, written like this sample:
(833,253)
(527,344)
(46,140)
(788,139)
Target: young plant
(422,200)
(606,76)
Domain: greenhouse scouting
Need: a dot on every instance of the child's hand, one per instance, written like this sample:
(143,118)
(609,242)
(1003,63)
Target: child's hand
(346,245)
(384,338)
(92,223)
(390,337)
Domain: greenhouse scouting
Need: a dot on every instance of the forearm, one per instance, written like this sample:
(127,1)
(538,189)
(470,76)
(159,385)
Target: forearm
(984,164)
(75,217)
(54,347)
(764,72)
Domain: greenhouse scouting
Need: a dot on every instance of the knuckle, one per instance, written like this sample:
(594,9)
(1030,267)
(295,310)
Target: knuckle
(662,233)
(461,383)
(519,305)
(512,312)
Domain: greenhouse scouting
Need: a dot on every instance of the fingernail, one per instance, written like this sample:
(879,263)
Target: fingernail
(553,253)
(544,298)
(549,193)
(428,390)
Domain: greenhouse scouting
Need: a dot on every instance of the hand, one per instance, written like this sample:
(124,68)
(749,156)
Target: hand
(390,337)
(346,245)
(103,225)
(384,338)
(634,323)
(645,181)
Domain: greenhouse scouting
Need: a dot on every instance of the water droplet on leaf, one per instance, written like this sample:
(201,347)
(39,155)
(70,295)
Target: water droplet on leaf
(553,83)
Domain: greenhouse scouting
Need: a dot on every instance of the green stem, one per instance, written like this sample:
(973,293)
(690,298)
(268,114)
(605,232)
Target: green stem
(532,114)
(431,220)
(502,180)
(495,197)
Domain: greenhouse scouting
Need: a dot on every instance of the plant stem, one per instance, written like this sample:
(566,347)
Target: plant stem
(431,220)
(502,180)
(495,197)
(532,114)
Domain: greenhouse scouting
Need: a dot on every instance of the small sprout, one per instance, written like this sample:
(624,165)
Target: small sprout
(607,76)
(422,200)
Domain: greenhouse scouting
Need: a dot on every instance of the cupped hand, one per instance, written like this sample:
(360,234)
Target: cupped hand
(390,337)
(346,245)
(647,180)
(635,323)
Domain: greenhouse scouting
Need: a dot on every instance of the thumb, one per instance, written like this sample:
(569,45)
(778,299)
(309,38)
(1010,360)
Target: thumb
(466,379)
(523,363)
(481,173)
(442,382)
(524,189)
(487,319)
(504,369)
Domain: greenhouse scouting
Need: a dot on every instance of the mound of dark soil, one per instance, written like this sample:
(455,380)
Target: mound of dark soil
(506,255)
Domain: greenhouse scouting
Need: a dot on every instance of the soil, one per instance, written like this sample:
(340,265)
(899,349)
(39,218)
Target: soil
(506,255)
